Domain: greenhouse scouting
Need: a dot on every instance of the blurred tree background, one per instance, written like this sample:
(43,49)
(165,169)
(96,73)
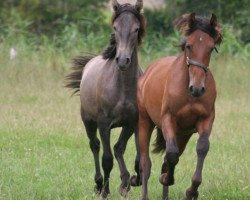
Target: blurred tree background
(86,23)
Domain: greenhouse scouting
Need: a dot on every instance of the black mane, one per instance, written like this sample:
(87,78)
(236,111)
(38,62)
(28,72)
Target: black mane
(200,23)
(203,24)
(110,51)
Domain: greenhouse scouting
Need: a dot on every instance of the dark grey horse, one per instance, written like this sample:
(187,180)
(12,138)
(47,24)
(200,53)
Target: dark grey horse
(107,85)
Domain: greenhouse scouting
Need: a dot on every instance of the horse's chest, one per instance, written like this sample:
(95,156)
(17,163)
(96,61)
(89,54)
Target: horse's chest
(124,109)
(188,115)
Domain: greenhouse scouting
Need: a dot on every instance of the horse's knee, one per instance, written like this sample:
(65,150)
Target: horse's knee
(94,145)
(107,163)
(202,145)
(172,158)
(172,153)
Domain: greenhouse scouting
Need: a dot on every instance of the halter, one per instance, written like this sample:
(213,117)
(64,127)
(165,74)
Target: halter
(196,63)
(190,61)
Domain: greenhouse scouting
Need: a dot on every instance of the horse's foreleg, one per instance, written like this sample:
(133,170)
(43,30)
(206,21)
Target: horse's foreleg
(204,129)
(145,131)
(94,143)
(136,179)
(119,149)
(181,143)
(164,170)
(172,151)
(107,158)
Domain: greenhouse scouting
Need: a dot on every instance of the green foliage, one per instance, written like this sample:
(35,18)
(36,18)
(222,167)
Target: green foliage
(234,13)
(49,17)
(85,25)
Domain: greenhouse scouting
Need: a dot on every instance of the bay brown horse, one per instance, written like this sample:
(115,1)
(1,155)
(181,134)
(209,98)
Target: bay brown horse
(108,86)
(177,95)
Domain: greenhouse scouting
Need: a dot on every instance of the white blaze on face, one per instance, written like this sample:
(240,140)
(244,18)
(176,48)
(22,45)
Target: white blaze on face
(13,53)
(200,39)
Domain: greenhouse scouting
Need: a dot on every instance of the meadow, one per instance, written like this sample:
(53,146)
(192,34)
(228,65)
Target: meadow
(44,148)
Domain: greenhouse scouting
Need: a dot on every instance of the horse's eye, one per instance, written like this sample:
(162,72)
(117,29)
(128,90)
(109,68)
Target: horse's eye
(188,47)
(214,48)
(114,28)
(136,30)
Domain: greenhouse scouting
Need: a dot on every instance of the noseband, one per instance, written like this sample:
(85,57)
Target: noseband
(196,63)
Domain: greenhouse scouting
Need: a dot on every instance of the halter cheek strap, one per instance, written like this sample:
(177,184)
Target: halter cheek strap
(196,63)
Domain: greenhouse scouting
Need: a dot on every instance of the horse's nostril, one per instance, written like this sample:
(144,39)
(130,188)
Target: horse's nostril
(203,89)
(116,59)
(191,88)
(127,61)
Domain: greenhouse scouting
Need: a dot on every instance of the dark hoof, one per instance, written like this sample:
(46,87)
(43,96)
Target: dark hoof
(191,195)
(144,198)
(98,190)
(135,181)
(104,194)
(99,183)
(166,180)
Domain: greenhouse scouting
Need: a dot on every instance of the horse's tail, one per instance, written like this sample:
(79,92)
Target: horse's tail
(73,79)
(160,143)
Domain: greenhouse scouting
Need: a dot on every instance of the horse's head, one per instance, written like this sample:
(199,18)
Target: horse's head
(129,27)
(201,37)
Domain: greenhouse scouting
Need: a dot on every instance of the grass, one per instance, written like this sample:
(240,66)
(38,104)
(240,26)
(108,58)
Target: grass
(45,152)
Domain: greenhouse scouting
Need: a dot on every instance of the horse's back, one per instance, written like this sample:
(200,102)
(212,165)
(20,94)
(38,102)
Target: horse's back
(151,86)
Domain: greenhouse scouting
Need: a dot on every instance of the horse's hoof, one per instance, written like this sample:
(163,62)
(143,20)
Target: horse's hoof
(99,183)
(135,181)
(144,198)
(104,194)
(191,195)
(98,190)
(165,180)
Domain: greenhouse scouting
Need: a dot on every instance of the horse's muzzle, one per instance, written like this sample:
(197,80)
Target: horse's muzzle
(123,63)
(196,91)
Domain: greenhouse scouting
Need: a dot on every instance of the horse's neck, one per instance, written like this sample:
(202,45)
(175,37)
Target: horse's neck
(180,71)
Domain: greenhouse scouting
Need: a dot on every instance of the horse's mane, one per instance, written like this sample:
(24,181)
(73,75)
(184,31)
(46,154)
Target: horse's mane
(110,51)
(201,23)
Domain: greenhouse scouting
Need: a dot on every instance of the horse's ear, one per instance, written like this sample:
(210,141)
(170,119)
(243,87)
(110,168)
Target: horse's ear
(115,5)
(139,5)
(213,20)
(185,22)
(191,20)
(214,23)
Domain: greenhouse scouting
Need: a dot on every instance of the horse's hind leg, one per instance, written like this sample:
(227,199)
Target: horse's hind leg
(119,150)
(94,143)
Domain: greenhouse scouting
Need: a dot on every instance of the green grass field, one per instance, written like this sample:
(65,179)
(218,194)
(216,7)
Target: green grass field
(45,152)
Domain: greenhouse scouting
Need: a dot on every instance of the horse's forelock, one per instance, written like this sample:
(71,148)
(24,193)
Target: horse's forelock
(132,9)
(183,24)
(110,51)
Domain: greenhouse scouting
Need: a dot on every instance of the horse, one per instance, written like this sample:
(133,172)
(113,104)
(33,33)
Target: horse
(108,86)
(176,94)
